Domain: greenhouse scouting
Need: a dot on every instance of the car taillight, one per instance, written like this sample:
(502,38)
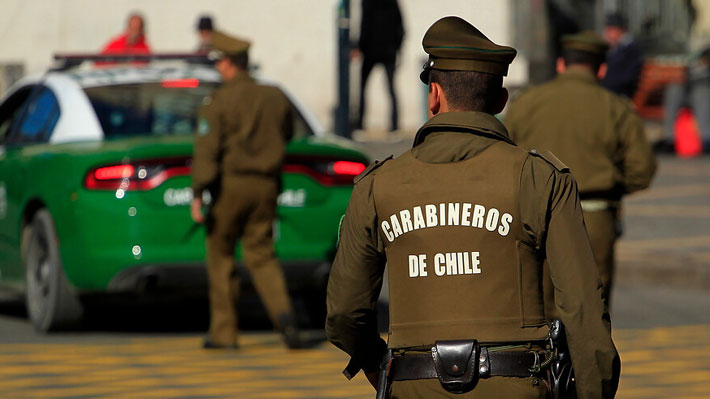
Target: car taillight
(138,175)
(189,83)
(114,172)
(149,174)
(348,168)
(328,172)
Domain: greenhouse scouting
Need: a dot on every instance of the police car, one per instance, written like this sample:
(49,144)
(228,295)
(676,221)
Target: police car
(95,164)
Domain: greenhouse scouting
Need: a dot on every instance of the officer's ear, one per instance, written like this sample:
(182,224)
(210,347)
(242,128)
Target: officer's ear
(435,99)
(601,72)
(502,100)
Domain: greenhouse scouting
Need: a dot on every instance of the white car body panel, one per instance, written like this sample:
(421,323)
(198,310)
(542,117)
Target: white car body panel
(77,119)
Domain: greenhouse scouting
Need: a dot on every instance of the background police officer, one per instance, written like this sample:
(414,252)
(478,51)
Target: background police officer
(464,220)
(240,144)
(595,132)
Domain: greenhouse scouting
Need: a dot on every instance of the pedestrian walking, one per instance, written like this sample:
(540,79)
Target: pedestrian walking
(624,59)
(592,130)
(381,35)
(240,143)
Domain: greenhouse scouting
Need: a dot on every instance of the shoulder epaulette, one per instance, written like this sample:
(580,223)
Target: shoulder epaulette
(550,158)
(370,168)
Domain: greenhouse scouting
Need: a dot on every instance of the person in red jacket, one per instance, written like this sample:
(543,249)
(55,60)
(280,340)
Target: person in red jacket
(132,41)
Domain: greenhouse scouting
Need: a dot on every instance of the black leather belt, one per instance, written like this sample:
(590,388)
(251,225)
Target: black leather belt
(503,363)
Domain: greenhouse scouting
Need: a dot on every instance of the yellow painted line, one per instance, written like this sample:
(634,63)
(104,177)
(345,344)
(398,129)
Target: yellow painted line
(666,362)
(671,362)
(55,391)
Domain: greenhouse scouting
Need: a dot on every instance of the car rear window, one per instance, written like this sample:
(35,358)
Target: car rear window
(149,109)
(153,109)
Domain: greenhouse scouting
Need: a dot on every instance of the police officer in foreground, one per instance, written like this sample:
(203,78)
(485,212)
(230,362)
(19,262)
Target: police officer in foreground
(464,221)
(241,136)
(593,131)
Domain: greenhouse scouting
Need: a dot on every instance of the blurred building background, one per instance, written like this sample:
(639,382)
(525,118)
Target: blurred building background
(296,42)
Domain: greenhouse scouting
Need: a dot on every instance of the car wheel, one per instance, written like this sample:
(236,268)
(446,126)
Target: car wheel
(51,301)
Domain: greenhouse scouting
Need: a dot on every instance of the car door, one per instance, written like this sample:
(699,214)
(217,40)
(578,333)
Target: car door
(27,118)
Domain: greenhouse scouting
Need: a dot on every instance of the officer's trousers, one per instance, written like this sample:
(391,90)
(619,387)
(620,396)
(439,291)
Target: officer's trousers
(493,388)
(245,209)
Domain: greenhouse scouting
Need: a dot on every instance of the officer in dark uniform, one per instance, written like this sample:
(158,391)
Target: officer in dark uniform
(464,221)
(595,132)
(240,143)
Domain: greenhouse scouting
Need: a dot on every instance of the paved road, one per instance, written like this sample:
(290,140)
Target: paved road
(661,313)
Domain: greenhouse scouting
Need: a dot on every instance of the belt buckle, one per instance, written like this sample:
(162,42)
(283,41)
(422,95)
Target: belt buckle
(457,364)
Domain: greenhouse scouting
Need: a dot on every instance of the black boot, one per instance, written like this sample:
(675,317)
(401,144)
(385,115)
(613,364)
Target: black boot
(207,343)
(289,331)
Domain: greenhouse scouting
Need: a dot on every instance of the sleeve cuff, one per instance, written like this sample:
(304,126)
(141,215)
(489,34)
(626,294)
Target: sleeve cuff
(367,363)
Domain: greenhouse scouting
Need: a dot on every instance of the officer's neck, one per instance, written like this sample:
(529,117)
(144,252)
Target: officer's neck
(579,68)
(233,74)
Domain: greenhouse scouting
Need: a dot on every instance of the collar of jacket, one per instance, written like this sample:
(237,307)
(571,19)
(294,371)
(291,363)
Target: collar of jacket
(472,122)
(240,77)
(579,74)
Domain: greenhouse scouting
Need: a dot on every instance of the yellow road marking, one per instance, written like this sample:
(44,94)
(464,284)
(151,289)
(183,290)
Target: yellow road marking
(657,363)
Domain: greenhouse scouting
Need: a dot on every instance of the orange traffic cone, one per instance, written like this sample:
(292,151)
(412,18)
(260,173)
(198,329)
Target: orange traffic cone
(687,135)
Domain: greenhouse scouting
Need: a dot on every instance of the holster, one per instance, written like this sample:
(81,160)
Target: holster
(456,364)
(383,382)
(560,375)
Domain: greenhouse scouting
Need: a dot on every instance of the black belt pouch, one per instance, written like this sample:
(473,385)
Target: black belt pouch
(456,364)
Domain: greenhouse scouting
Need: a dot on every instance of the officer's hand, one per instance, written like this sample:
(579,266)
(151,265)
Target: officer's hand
(196,210)
(373,377)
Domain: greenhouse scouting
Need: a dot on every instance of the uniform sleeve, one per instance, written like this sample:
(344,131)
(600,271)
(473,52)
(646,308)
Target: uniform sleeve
(639,163)
(559,226)
(206,153)
(355,284)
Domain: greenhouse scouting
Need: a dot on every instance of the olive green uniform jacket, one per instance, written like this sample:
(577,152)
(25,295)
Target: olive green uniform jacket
(236,137)
(600,137)
(593,131)
(550,222)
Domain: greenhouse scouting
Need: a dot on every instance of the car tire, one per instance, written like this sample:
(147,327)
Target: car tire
(52,303)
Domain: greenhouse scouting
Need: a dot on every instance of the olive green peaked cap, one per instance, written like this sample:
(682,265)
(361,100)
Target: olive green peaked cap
(225,45)
(455,45)
(586,41)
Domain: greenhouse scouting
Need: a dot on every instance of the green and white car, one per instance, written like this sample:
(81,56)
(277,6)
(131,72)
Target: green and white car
(95,166)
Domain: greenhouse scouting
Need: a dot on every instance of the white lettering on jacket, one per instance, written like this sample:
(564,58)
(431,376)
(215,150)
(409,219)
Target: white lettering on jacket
(463,214)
